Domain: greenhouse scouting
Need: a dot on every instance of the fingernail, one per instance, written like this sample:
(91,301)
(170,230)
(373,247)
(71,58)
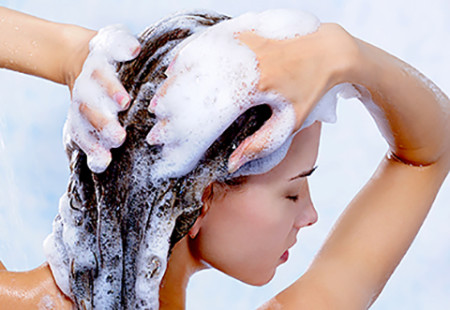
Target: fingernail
(114,134)
(152,105)
(119,137)
(231,166)
(122,99)
(170,67)
(152,138)
(234,164)
(135,51)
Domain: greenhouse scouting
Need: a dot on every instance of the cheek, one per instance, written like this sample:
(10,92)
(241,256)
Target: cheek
(244,236)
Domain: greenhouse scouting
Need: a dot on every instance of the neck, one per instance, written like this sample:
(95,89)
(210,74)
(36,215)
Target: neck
(181,266)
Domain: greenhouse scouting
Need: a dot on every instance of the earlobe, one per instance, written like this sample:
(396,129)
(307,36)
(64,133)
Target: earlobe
(198,222)
(207,198)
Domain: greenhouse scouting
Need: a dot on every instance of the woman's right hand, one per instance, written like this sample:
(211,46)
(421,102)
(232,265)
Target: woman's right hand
(98,96)
(302,70)
(83,60)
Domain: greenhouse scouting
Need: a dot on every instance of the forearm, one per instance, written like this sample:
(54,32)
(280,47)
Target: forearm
(412,113)
(49,50)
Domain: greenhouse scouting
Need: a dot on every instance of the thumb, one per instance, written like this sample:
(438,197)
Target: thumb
(275,131)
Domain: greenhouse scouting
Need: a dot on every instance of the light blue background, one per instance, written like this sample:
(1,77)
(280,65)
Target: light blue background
(33,167)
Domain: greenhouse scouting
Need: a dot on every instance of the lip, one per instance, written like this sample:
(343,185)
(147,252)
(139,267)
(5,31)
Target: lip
(284,257)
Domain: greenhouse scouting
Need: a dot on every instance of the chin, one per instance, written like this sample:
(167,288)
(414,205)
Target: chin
(259,279)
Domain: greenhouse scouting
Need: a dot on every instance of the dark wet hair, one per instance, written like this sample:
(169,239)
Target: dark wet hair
(117,210)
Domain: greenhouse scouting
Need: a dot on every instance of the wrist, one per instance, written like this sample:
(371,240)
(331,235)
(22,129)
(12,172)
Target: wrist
(343,54)
(76,50)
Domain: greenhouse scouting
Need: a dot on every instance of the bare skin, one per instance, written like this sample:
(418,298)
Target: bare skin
(348,272)
(415,122)
(30,289)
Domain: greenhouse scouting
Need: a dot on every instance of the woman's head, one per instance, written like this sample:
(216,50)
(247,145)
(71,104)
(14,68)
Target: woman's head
(246,228)
(115,230)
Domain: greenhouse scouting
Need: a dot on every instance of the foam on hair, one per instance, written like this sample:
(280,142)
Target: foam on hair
(114,230)
(213,80)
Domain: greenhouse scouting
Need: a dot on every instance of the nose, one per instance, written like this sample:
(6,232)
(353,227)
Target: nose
(307,214)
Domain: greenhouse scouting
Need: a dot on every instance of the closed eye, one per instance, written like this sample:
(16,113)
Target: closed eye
(293,198)
(304,174)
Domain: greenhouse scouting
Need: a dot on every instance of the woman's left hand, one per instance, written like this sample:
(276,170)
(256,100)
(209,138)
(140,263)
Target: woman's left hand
(302,70)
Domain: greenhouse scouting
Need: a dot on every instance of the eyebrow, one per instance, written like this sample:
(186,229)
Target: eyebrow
(304,174)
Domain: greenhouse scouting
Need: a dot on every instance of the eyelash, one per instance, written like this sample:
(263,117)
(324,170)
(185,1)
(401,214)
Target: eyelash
(292,198)
(295,197)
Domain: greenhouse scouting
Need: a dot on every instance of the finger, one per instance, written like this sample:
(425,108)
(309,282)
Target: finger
(248,150)
(110,130)
(161,92)
(157,133)
(113,134)
(267,139)
(99,160)
(96,118)
(171,66)
(113,87)
(98,157)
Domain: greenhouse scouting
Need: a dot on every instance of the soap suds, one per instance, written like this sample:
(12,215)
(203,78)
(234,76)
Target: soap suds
(111,238)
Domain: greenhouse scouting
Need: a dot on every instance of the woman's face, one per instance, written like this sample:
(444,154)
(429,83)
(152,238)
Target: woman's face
(247,231)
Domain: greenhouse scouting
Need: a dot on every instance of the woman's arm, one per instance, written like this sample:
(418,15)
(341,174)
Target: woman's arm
(62,53)
(378,226)
(38,47)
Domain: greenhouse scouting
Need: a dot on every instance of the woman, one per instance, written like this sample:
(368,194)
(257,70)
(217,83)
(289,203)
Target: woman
(349,272)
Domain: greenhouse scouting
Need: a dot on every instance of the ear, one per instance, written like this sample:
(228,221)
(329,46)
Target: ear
(207,198)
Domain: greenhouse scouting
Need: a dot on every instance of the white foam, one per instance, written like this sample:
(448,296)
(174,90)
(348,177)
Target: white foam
(56,257)
(213,80)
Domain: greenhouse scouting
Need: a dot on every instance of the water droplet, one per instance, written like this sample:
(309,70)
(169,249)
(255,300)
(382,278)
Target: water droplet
(154,266)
